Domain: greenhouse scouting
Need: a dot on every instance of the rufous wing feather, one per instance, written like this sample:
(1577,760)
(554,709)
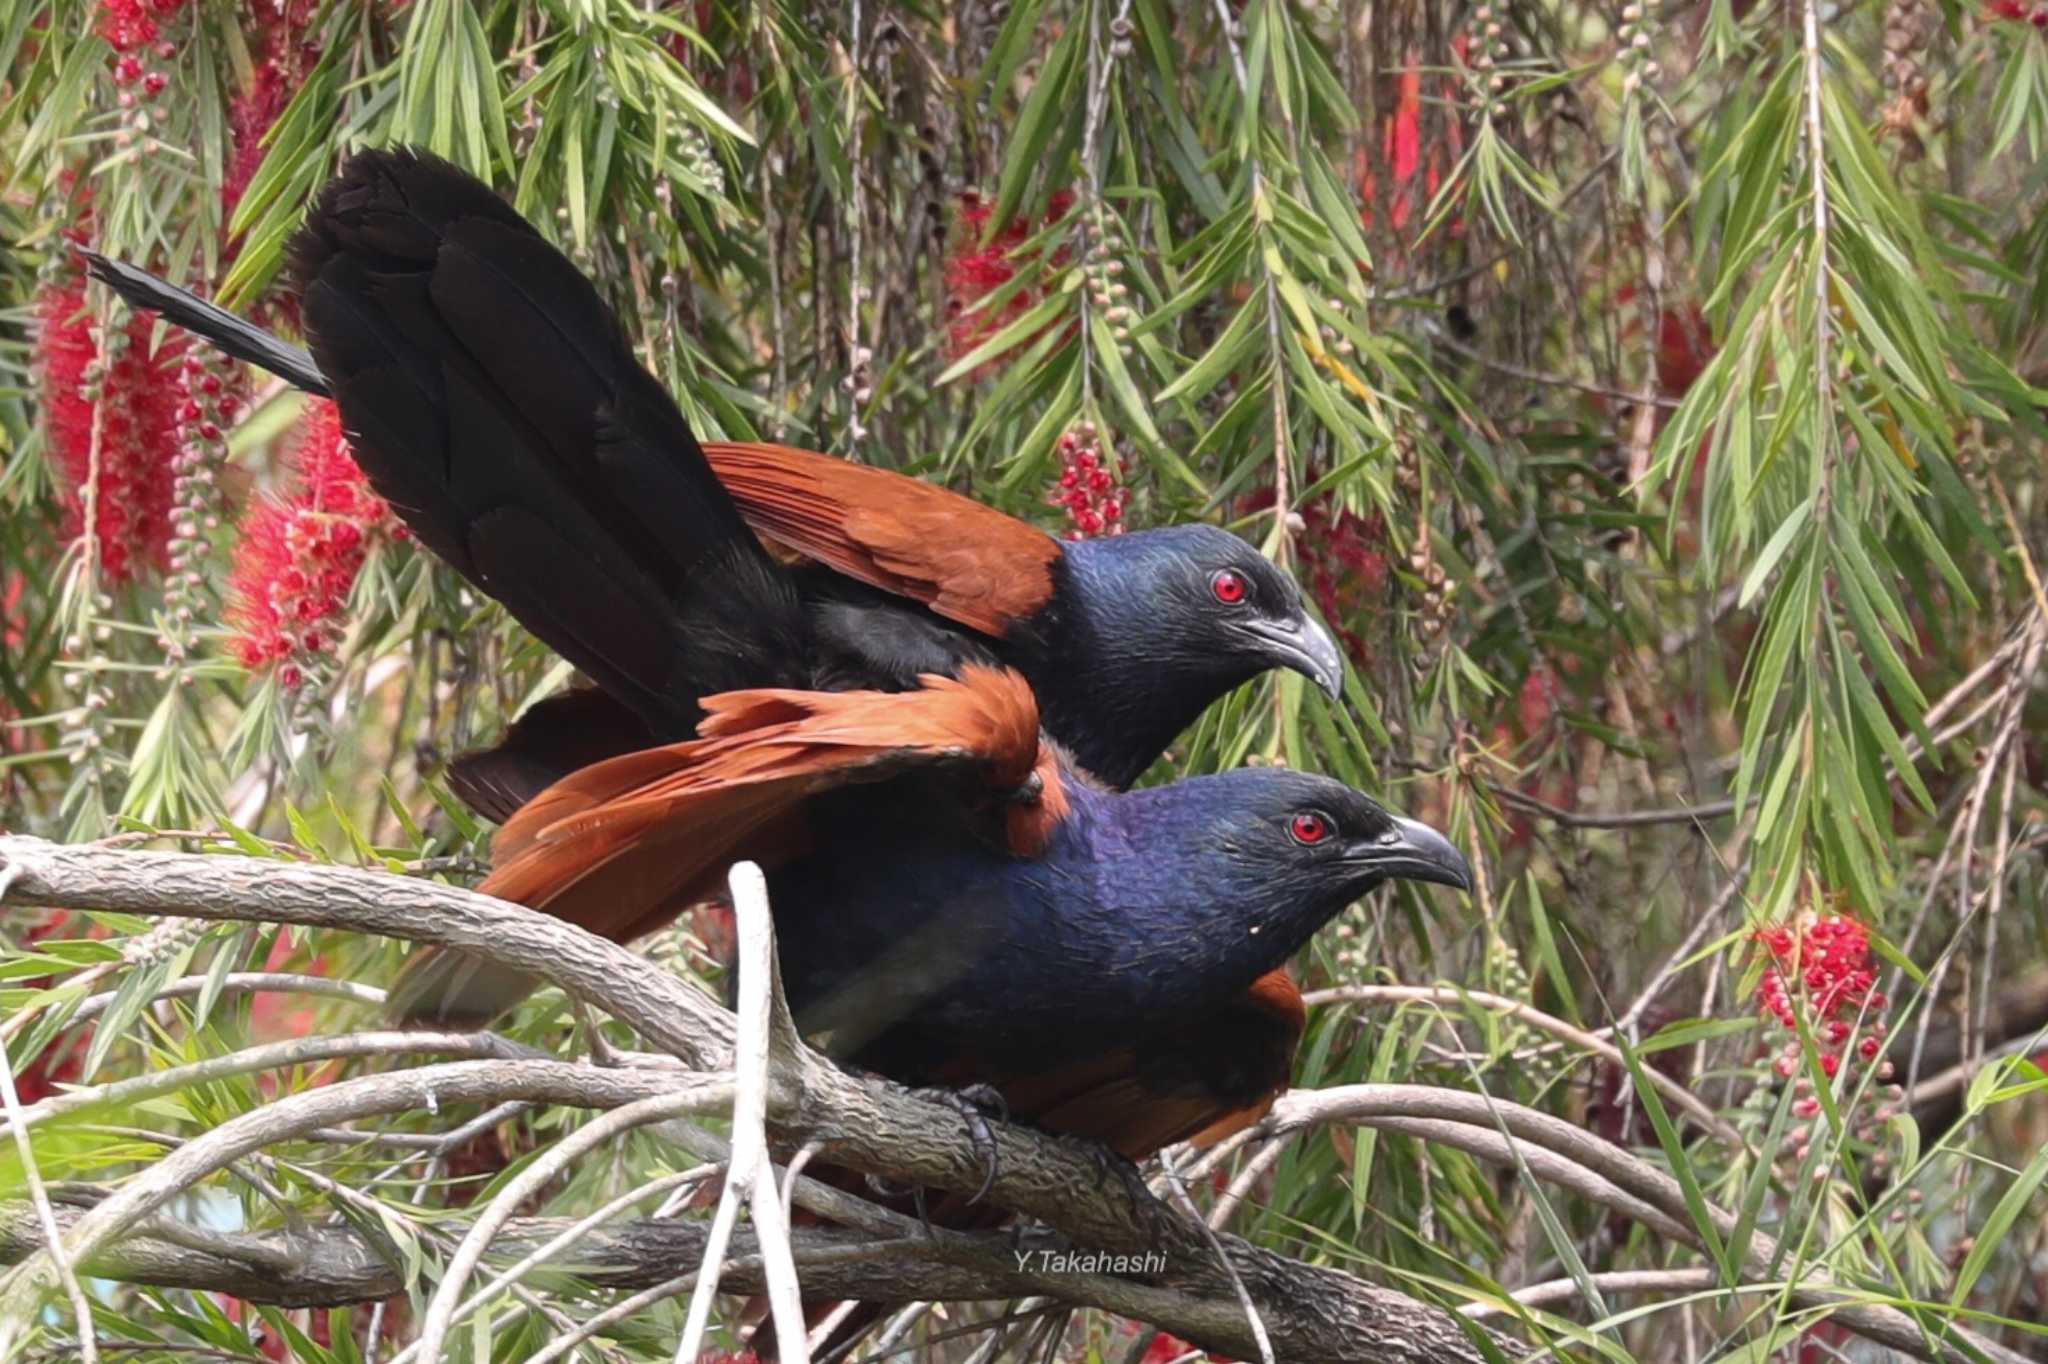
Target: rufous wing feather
(622,847)
(968,562)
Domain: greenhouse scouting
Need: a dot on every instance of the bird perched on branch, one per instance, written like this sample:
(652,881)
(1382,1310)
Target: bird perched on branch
(493,400)
(953,903)
(956,901)
(955,907)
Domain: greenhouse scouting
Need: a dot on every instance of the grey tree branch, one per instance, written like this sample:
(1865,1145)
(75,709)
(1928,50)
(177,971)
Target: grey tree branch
(861,1123)
(1511,1134)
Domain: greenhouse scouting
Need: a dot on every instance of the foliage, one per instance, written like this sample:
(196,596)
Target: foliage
(1652,396)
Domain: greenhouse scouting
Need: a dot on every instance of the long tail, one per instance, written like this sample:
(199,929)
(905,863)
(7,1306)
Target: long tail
(557,736)
(493,399)
(237,336)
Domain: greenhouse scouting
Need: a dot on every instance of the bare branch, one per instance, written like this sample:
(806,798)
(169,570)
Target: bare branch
(1535,1018)
(1511,1134)
(860,1123)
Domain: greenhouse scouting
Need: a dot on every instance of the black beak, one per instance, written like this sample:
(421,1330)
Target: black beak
(1305,647)
(1413,851)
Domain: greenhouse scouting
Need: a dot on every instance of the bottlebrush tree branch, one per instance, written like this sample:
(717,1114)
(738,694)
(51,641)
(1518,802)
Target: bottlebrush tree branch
(1511,1134)
(863,1123)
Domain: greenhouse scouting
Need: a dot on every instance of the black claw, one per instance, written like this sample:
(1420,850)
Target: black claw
(976,1104)
(987,1099)
(1144,1205)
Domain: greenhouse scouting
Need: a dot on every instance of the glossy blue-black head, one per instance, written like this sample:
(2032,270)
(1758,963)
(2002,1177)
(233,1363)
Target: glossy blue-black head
(1315,836)
(1200,594)
(1156,625)
(1230,874)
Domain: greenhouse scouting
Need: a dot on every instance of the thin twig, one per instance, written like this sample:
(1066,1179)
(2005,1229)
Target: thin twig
(1244,1297)
(1536,1018)
(39,1195)
(1535,376)
(760,1079)
(1658,1281)
(1620,819)
(297,1051)
(440,1315)
(567,1237)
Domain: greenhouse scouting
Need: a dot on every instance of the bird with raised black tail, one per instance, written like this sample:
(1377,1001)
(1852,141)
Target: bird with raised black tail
(956,901)
(493,400)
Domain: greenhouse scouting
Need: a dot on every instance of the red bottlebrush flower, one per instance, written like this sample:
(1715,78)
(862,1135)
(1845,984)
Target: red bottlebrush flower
(1087,487)
(1822,963)
(2007,9)
(1402,153)
(1402,146)
(299,554)
(129,24)
(977,269)
(133,400)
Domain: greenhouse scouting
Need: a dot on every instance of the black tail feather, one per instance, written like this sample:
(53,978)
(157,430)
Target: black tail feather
(492,397)
(237,336)
(555,737)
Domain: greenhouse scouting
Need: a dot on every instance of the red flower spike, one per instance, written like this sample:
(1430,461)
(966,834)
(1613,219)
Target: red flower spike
(1086,487)
(1828,955)
(250,116)
(299,555)
(979,267)
(134,404)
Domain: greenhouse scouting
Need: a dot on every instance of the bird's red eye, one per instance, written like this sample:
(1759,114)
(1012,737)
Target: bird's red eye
(1229,586)
(1309,827)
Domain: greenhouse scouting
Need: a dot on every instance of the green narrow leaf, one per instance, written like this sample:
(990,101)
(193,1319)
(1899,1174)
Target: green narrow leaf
(1990,1238)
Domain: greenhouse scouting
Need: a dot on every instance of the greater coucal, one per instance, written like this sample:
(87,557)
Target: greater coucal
(955,906)
(954,903)
(493,399)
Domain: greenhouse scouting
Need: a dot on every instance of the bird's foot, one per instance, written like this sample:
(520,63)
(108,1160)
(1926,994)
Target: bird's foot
(1145,1205)
(896,1193)
(976,1104)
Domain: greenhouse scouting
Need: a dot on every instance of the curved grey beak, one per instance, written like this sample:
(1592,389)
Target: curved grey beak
(1413,851)
(1305,647)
